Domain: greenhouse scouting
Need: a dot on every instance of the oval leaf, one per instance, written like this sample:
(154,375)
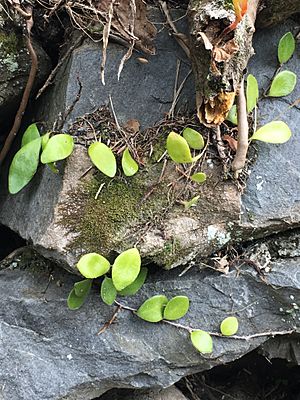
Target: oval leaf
(178,148)
(93,265)
(273,132)
(176,308)
(30,134)
(103,158)
(45,140)
(136,285)
(75,302)
(232,115)
(252,93)
(108,291)
(283,84)
(202,341)
(191,203)
(229,326)
(199,177)
(83,288)
(152,309)
(286,47)
(24,166)
(57,148)
(129,165)
(194,139)
(126,268)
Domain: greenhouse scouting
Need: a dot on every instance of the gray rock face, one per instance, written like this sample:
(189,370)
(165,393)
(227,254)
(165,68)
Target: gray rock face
(49,352)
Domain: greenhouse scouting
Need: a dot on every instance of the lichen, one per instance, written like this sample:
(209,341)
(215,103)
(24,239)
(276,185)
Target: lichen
(10,46)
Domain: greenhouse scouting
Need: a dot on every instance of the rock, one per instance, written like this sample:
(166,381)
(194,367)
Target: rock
(49,352)
(171,393)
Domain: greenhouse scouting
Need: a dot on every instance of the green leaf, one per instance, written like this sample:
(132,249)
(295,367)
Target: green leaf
(83,288)
(286,47)
(75,302)
(30,134)
(108,291)
(152,309)
(283,84)
(274,132)
(93,265)
(194,139)
(199,177)
(129,165)
(53,168)
(126,268)
(178,148)
(176,308)
(45,140)
(135,285)
(58,148)
(103,158)
(191,203)
(232,115)
(202,341)
(252,93)
(229,326)
(24,166)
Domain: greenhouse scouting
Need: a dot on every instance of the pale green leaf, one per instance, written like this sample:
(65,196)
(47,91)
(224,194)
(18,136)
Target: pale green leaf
(93,265)
(274,132)
(23,166)
(58,148)
(283,84)
(202,341)
(129,165)
(30,134)
(83,288)
(45,140)
(75,302)
(286,47)
(229,326)
(103,158)
(108,291)
(232,115)
(126,268)
(198,177)
(191,203)
(135,285)
(176,308)
(152,309)
(252,93)
(178,148)
(194,139)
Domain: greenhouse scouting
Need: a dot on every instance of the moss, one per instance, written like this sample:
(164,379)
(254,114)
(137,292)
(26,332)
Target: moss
(10,46)
(170,253)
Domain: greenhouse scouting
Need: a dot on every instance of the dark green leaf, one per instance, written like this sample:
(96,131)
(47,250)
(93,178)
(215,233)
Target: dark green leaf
(108,291)
(30,134)
(24,166)
(252,93)
(136,285)
(202,341)
(93,265)
(286,47)
(126,268)
(75,302)
(283,84)
(274,132)
(83,288)
(229,326)
(176,308)
(232,115)
(103,158)
(129,165)
(194,139)
(199,177)
(152,309)
(58,148)
(178,148)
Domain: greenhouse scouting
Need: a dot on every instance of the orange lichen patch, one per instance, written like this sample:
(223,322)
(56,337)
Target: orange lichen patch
(214,110)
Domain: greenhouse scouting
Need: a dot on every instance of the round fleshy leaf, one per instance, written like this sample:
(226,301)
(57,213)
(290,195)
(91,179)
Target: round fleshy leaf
(108,291)
(75,302)
(152,309)
(126,268)
(274,132)
(24,166)
(229,326)
(129,165)
(199,177)
(83,288)
(178,148)
(283,84)
(252,93)
(103,158)
(93,265)
(136,285)
(202,341)
(45,140)
(194,139)
(232,115)
(286,47)
(57,148)
(30,134)
(176,308)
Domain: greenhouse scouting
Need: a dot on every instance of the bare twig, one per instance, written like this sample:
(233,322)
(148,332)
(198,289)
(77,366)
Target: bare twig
(111,321)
